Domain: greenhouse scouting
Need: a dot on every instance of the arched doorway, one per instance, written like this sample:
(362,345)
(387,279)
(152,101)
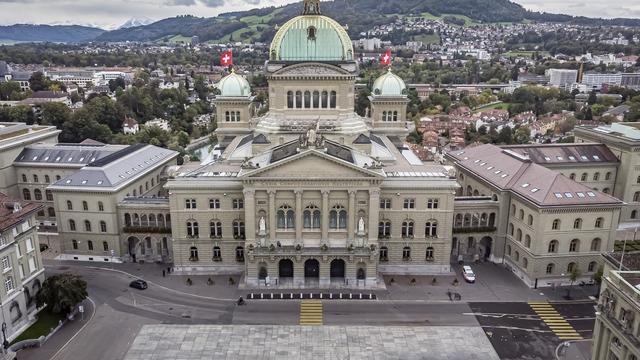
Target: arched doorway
(361,273)
(262,271)
(337,268)
(485,245)
(134,247)
(285,268)
(311,269)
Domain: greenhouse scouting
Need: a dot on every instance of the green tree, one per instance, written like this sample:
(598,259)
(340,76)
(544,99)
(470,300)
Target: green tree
(20,113)
(592,99)
(55,114)
(80,128)
(505,136)
(522,135)
(104,111)
(39,82)
(117,83)
(62,292)
(573,276)
(362,102)
(200,87)
(8,89)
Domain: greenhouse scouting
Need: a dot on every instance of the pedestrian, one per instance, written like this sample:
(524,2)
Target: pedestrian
(169,270)
(163,275)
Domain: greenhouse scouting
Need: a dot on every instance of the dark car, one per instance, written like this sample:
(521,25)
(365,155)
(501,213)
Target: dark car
(139,284)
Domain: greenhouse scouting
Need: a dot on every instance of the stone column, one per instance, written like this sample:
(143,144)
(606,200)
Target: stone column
(351,217)
(272,216)
(325,215)
(250,216)
(374,210)
(298,210)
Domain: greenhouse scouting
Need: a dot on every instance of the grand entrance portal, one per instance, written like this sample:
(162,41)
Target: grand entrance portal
(337,269)
(285,268)
(312,269)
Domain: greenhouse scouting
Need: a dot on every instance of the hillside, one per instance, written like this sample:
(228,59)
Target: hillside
(49,33)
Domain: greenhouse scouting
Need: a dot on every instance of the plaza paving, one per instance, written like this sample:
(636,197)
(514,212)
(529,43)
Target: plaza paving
(195,342)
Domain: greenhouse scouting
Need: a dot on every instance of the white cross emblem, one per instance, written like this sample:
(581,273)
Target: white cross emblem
(385,58)
(225,58)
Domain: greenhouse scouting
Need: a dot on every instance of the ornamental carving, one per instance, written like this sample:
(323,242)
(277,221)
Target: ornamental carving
(309,70)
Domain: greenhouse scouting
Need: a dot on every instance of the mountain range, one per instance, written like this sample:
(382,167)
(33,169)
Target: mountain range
(260,24)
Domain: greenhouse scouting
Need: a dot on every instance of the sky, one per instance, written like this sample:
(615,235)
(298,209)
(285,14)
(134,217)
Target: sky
(110,14)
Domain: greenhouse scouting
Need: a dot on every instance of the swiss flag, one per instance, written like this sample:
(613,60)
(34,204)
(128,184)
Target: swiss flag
(386,58)
(226,58)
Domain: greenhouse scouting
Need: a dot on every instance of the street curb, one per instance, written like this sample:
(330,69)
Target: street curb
(158,285)
(93,313)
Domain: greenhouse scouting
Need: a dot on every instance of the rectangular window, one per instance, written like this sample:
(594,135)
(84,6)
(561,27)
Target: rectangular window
(409,204)
(3,241)
(214,203)
(385,203)
(32,265)
(238,204)
(8,284)
(29,243)
(6,263)
(18,254)
(190,204)
(21,271)
(432,203)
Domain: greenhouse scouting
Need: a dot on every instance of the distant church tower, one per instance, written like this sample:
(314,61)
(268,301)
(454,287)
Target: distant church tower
(311,7)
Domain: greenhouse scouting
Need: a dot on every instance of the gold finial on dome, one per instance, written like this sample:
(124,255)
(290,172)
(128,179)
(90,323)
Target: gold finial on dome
(311,7)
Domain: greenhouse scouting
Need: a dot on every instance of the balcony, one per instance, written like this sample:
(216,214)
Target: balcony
(474,229)
(324,250)
(146,230)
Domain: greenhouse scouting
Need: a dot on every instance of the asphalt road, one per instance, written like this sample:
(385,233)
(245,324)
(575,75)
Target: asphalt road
(513,328)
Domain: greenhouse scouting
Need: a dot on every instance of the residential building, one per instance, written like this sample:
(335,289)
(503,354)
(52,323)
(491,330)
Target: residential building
(630,80)
(22,270)
(130,126)
(617,329)
(562,78)
(596,80)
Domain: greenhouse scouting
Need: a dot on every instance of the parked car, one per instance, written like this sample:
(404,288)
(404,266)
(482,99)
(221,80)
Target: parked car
(468,274)
(138,284)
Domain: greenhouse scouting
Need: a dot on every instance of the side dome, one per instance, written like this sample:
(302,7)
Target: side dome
(311,38)
(234,85)
(389,84)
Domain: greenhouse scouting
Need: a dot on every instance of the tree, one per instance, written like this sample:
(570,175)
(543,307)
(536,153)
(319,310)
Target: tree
(597,277)
(62,292)
(362,102)
(80,128)
(573,276)
(522,135)
(20,113)
(117,83)
(8,89)
(55,114)
(592,99)
(39,82)
(505,136)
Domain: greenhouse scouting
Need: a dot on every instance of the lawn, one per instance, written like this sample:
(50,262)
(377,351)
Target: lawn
(428,38)
(42,327)
(526,54)
(631,245)
(499,106)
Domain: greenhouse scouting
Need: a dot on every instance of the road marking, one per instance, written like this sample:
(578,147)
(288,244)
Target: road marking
(79,331)
(555,321)
(311,312)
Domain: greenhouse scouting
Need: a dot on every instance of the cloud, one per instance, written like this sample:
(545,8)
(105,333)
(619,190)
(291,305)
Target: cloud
(180,2)
(212,3)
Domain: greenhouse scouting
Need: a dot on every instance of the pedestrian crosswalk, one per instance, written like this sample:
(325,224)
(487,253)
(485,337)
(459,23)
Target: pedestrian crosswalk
(311,312)
(556,322)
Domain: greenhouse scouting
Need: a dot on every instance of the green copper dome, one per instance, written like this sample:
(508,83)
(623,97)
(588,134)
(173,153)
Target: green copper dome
(234,85)
(311,38)
(389,84)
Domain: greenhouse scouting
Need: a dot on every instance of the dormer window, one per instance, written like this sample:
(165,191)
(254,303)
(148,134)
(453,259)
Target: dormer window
(311,33)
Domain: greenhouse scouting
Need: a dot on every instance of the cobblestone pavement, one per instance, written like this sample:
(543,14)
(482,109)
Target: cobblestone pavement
(164,342)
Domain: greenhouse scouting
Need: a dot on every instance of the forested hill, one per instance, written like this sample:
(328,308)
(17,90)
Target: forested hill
(49,33)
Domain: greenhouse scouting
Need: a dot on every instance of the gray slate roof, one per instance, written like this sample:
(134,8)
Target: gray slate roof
(578,153)
(65,154)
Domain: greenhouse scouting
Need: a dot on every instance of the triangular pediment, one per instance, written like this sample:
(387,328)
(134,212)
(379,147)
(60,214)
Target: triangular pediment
(312,164)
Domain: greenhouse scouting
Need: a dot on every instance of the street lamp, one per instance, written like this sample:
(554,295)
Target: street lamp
(5,343)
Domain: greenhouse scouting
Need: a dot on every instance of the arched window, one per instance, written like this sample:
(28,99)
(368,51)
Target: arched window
(595,244)
(227,116)
(26,194)
(384,253)
(215,229)
(74,243)
(458,221)
(527,241)
(384,228)
(406,253)
(572,176)
(217,254)
(492,219)
(508,250)
(517,256)
(103,226)
(332,100)
(596,176)
(607,176)
(599,222)
(407,229)
(583,177)
(338,217)
(511,229)
(100,206)
(574,245)
(316,99)
(290,99)
(240,254)
(636,196)
(85,206)
(298,99)
(143,220)
(431,228)
(193,253)
(606,190)
(530,220)
(51,212)
(49,195)
(525,262)
(521,214)
(37,194)
(592,266)
(24,178)
(395,116)
(87,225)
(553,246)
(634,214)
(127,219)
(325,99)
(72,225)
(311,217)
(555,225)
(35,178)
(384,115)
(90,245)
(105,246)
(136,220)
(238,229)
(429,254)
(286,218)
(571,267)
(519,235)
(577,223)
(192,228)
(513,209)
(467,220)
(550,268)
(307,99)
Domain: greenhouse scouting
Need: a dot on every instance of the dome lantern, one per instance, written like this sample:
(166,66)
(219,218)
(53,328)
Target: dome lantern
(234,85)
(389,84)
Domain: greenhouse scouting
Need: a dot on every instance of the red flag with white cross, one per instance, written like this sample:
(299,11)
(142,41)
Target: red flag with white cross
(386,58)
(226,58)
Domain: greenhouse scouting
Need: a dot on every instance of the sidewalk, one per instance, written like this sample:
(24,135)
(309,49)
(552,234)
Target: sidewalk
(576,350)
(60,338)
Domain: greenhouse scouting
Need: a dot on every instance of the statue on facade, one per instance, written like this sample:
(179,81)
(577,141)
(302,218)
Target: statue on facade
(262,226)
(361,225)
